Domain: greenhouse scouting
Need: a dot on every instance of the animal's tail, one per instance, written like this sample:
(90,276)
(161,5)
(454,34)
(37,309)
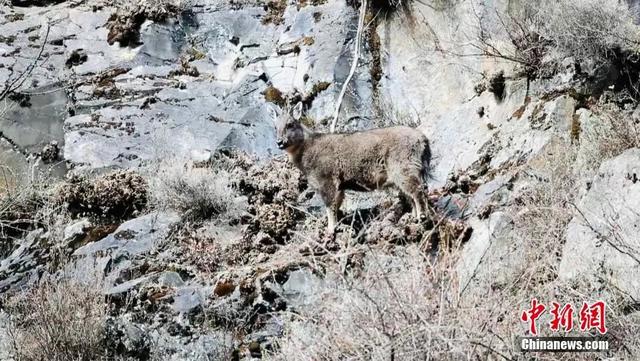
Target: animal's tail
(426,162)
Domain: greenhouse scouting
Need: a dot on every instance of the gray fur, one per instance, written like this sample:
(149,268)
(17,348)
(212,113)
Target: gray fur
(362,161)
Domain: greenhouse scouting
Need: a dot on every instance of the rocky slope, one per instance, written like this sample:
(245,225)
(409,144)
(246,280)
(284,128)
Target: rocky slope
(534,179)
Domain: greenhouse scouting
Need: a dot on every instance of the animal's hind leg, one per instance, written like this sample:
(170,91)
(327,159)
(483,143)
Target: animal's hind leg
(412,187)
(406,202)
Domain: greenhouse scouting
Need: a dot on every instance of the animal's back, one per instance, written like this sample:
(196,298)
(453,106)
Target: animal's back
(365,159)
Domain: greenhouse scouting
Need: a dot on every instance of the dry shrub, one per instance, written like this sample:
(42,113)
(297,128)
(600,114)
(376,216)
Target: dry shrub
(540,215)
(201,249)
(28,204)
(586,29)
(497,85)
(210,247)
(124,24)
(119,194)
(274,12)
(199,193)
(57,320)
(278,181)
(391,310)
(544,210)
(18,208)
(615,132)
(391,116)
(275,96)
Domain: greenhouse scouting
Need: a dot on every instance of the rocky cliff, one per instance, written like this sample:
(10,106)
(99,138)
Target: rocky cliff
(141,177)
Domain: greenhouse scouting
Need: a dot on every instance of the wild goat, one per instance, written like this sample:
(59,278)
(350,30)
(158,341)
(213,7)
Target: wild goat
(362,161)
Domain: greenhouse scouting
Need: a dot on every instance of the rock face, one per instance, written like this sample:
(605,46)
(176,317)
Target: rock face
(129,104)
(198,80)
(489,257)
(118,90)
(602,241)
(118,252)
(236,59)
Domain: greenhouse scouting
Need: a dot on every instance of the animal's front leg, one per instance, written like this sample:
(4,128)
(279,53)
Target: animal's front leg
(332,198)
(331,220)
(417,208)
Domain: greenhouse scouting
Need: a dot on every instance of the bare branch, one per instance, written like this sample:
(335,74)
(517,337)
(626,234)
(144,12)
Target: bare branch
(16,83)
(354,64)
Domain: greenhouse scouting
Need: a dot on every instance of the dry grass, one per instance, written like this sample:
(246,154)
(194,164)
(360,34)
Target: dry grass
(57,320)
(275,96)
(199,193)
(386,312)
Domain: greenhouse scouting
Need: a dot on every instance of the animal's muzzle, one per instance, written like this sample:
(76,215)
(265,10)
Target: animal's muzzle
(281,144)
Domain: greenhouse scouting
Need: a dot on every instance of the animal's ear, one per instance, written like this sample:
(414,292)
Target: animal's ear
(296,113)
(274,111)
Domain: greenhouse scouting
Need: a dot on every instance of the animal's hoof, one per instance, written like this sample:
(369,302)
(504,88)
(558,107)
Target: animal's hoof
(329,235)
(428,223)
(331,245)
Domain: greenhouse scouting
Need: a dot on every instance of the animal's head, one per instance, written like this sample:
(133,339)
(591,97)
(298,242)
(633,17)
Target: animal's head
(289,131)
